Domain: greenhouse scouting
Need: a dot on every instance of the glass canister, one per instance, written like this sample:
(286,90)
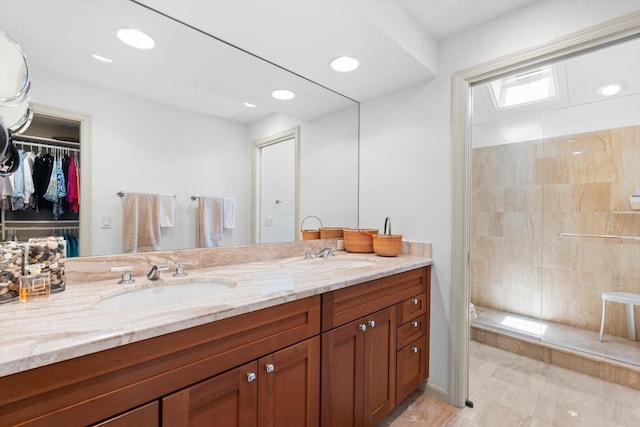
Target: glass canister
(11,260)
(51,253)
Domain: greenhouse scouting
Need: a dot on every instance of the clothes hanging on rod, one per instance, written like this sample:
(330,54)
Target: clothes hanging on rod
(53,171)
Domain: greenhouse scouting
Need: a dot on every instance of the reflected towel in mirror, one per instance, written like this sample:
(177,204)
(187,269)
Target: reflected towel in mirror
(167,209)
(140,223)
(210,221)
(228,212)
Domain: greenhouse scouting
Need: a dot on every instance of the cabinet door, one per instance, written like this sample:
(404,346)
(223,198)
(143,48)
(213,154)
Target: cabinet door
(144,416)
(413,366)
(343,376)
(289,386)
(226,400)
(380,365)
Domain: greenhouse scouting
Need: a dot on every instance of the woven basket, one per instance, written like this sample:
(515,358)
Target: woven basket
(359,240)
(331,233)
(310,234)
(387,244)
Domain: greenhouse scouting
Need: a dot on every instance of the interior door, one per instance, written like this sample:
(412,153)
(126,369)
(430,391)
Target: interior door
(276,187)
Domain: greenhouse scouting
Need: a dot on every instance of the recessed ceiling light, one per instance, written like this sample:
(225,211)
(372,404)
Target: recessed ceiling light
(344,64)
(610,89)
(250,105)
(136,38)
(283,94)
(101,58)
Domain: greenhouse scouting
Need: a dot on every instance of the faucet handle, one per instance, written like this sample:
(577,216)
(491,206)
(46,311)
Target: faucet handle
(180,268)
(126,274)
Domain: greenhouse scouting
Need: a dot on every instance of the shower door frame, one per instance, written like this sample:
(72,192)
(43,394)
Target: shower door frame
(609,32)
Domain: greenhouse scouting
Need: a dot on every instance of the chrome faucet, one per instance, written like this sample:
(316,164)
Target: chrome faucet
(328,251)
(154,273)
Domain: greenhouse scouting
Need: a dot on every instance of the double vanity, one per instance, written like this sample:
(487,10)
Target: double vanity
(333,341)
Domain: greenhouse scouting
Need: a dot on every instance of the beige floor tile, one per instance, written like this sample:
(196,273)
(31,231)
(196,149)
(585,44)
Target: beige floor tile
(509,390)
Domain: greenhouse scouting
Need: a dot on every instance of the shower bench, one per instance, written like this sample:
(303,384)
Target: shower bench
(623,298)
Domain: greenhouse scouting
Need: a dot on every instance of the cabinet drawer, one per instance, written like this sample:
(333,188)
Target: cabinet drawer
(411,331)
(144,416)
(411,308)
(412,367)
(345,305)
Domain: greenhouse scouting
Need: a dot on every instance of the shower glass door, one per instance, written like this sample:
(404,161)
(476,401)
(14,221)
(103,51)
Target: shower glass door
(591,239)
(555,166)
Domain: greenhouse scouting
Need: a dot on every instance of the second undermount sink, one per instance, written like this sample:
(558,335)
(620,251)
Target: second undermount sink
(195,293)
(334,262)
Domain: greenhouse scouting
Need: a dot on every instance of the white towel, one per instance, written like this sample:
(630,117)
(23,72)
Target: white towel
(140,223)
(166,210)
(228,212)
(210,221)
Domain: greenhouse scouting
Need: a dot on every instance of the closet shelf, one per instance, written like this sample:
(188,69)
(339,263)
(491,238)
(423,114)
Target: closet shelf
(49,141)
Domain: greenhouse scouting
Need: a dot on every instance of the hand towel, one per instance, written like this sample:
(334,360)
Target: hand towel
(167,210)
(228,212)
(210,221)
(141,223)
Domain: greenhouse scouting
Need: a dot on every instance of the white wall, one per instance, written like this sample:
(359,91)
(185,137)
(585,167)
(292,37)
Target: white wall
(405,142)
(143,146)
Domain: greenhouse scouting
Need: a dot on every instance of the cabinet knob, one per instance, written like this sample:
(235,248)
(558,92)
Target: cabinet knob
(415,324)
(415,301)
(372,323)
(251,377)
(269,368)
(362,327)
(414,349)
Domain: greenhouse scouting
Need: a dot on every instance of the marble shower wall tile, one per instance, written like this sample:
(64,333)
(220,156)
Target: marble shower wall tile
(525,194)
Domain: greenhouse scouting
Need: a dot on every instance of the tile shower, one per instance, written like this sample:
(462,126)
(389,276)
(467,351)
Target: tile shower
(524,195)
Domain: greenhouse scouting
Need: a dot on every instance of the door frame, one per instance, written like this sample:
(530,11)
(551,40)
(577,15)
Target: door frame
(258,145)
(609,32)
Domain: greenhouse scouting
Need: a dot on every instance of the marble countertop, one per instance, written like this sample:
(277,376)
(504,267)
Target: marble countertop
(91,317)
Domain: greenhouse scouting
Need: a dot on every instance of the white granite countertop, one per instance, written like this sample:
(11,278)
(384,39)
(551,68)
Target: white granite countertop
(91,317)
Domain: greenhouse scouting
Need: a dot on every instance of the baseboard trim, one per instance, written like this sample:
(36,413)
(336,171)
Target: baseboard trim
(435,391)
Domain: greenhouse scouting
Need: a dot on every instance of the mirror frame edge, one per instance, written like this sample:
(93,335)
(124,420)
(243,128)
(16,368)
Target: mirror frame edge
(609,32)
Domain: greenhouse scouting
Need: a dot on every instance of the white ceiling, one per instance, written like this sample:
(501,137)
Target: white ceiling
(394,40)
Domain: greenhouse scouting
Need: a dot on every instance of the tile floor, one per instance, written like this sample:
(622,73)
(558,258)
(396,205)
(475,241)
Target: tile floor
(511,390)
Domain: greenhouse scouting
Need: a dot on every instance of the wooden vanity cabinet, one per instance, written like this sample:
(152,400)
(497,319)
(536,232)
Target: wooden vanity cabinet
(281,389)
(412,344)
(93,388)
(344,358)
(358,375)
(365,333)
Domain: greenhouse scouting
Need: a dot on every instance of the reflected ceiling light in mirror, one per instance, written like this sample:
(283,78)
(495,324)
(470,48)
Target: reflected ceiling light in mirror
(250,105)
(136,38)
(101,58)
(344,64)
(283,94)
(610,89)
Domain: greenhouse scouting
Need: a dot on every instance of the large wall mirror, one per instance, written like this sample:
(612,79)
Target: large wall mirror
(175,119)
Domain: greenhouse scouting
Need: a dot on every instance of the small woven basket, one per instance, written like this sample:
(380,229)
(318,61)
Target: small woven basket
(310,234)
(387,244)
(359,240)
(331,233)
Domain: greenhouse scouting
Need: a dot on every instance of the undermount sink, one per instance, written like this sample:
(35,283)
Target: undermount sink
(333,262)
(204,292)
